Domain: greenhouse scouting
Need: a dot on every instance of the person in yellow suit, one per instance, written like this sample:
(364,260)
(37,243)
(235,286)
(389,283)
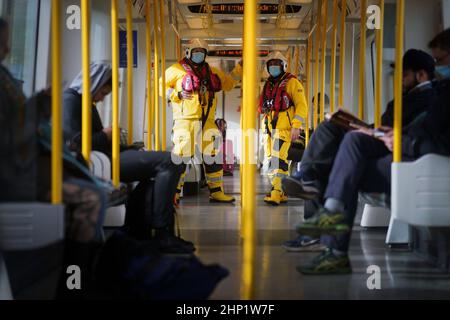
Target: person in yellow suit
(192,86)
(284,109)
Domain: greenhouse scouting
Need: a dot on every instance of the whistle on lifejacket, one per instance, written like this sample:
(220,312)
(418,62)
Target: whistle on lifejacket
(268,105)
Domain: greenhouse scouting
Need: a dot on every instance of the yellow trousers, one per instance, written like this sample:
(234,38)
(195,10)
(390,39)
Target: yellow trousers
(190,140)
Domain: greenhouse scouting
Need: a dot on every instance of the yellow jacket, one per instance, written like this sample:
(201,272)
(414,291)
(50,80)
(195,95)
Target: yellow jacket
(191,109)
(295,116)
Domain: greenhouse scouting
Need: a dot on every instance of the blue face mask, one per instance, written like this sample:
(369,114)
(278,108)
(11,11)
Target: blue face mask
(274,71)
(198,57)
(442,72)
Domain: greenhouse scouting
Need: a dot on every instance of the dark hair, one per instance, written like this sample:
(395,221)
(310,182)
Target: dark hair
(3,24)
(441,41)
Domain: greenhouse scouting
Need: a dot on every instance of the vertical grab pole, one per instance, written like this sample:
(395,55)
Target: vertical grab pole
(115,94)
(379,71)
(163,75)
(324,57)
(156,75)
(316,63)
(148,40)
(362,59)
(342,54)
(308,88)
(56,106)
(86,109)
(296,60)
(130,66)
(398,81)
(248,189)
(333,57)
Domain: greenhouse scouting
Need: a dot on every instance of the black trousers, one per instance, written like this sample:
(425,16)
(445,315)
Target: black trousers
(362,163)
(158,196)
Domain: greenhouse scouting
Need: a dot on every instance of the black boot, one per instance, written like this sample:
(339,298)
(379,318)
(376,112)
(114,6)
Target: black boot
(168,243)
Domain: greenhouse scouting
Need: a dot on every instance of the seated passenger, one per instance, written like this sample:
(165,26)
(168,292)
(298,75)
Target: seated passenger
(310,181)
(364,163)
(25,179)
(135,165)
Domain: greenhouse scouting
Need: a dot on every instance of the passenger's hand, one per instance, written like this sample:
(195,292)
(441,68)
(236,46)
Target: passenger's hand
(295,134)
(388,140)
(385,129)
(366,131)
(184,95)
(108,132)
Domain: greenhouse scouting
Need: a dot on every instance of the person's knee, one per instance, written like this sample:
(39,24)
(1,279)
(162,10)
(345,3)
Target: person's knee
(177,167)
(354,139)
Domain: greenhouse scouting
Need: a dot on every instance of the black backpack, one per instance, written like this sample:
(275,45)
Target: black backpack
(135,270)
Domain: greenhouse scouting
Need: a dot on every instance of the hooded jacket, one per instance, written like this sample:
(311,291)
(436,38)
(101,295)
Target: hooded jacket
(101,73)
(432,135)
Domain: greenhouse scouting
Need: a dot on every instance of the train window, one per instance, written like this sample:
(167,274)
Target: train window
(23,19)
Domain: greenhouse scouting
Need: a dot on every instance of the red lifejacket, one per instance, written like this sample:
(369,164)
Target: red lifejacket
(199,79)
(274,97)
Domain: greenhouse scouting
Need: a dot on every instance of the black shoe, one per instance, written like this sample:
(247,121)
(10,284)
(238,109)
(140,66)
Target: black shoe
(172,245)
(300,189)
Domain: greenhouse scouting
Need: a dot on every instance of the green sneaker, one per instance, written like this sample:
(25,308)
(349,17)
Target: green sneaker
(327,263)
(324,222)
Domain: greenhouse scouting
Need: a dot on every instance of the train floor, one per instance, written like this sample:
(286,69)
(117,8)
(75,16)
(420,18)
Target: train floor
(214,228)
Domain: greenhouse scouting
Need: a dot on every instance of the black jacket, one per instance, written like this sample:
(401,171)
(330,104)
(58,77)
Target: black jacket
(72,124)
(432,135)
(414,103)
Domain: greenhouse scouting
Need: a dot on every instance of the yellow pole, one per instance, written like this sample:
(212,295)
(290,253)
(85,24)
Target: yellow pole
(249,111)
(297,60)
(130,66)
(333,57)
(362,59)
(398,81)
(148,39)
(56,106)
(316,64)
(163,74)
(86,113)
(324,56)
(289,69)
(308,88)
(342,55)
(379,71)
(115,94)
(177,47)
(156,75)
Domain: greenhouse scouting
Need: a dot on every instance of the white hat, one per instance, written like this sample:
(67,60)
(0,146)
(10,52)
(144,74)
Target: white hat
(277,55)
(193,44)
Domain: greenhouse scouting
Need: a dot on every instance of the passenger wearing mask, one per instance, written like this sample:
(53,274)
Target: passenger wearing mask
(158,216)
(284,109)
(193,85)
(363,163)
(25,173)
(310,181)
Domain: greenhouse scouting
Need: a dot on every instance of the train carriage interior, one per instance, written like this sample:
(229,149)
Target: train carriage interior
(326,175)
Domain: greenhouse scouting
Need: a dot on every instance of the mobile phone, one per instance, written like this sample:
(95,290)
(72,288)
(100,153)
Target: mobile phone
(378,133)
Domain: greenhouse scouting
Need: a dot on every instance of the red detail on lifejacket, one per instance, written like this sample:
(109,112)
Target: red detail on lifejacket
(276,96)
